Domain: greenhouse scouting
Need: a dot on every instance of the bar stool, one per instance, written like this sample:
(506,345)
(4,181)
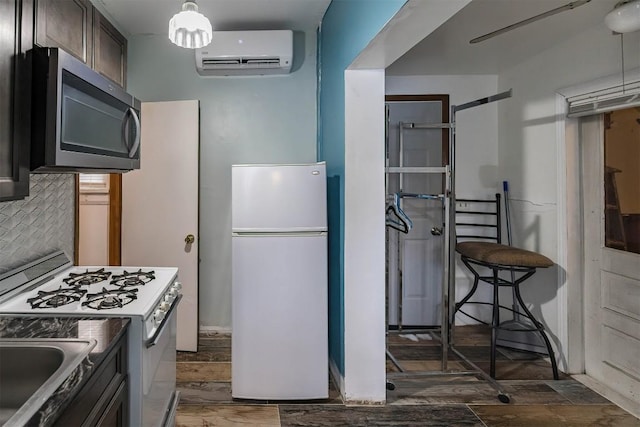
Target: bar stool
(498,258)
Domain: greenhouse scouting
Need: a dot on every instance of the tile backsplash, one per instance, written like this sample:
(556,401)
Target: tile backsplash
(39,224)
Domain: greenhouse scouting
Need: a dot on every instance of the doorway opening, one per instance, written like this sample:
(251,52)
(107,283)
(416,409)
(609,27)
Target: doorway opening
(98,212)
(414,259)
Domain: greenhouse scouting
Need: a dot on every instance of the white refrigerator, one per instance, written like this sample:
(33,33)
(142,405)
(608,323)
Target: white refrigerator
(279,341)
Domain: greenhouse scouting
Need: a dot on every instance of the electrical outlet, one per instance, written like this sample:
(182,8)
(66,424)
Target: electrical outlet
(463,206)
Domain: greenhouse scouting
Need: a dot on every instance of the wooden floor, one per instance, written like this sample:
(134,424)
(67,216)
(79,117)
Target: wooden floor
(204,380)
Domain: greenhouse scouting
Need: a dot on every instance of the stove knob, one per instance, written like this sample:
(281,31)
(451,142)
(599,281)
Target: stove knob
(164,306)
(177,286)
(169,298)
(158,316)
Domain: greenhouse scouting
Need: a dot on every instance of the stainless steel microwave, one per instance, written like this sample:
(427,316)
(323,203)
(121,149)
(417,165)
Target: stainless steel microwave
(81,121)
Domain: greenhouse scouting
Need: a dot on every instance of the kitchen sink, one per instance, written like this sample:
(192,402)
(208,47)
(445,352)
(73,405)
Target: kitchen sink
(31,370)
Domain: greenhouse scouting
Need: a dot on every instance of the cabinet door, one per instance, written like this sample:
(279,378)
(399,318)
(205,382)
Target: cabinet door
(105,395)
(65,24)
(110,50)
(117,413)
(15,98)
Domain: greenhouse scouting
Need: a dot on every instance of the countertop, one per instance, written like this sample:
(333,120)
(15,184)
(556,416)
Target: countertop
(106,331)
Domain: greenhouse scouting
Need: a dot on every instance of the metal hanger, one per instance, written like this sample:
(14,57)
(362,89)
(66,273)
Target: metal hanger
(395,216)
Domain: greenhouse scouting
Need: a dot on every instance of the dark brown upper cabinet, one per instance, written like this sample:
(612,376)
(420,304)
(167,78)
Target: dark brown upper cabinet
(110,50)
(16,38)
(66,24)
(80,29)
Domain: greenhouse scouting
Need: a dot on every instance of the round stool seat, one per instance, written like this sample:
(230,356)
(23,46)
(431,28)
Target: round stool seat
(495,253)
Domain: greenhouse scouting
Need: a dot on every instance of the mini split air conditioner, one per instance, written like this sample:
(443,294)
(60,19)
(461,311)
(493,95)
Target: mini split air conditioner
(241,53)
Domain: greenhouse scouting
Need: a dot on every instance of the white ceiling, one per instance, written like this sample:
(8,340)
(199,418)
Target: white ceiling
(447,50)
(152,16)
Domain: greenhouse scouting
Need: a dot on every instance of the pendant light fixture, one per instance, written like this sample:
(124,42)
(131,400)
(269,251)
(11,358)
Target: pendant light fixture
(189,28)
(625,17)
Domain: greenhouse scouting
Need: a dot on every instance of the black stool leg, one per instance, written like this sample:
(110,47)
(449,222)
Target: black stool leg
(476,280)
(540,327)
(495,321)
(469,295)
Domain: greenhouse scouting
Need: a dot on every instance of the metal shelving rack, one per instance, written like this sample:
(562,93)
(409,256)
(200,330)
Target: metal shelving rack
(448,289)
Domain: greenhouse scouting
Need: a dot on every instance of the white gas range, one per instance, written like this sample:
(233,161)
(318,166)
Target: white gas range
(149,296)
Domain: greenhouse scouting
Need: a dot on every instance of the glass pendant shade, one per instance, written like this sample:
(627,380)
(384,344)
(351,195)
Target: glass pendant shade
(189,28)
(625,17)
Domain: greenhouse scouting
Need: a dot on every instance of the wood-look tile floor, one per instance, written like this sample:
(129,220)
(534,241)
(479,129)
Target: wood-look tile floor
(204,380)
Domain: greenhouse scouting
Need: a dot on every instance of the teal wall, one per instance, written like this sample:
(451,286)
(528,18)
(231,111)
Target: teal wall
(347,27)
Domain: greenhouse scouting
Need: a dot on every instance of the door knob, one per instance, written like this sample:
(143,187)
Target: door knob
(189,239)
(436,231)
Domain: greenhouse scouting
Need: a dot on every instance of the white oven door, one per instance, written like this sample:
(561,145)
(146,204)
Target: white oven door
(159,372)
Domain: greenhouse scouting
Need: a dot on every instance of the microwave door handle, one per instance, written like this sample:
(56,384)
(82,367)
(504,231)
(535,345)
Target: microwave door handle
(125,121)
(136,140)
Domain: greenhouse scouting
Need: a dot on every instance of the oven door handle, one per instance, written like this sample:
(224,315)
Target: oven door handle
(154,339)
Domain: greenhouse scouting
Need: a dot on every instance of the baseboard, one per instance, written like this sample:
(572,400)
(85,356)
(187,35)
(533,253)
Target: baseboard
(337,377)
(216,329)
(622,401)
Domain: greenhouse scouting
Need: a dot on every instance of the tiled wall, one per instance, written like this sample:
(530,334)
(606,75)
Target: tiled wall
(39,224)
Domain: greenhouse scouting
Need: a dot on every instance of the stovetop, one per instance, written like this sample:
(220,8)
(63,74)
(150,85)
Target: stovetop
(118,291)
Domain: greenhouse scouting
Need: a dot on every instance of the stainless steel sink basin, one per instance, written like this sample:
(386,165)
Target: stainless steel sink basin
(31,370)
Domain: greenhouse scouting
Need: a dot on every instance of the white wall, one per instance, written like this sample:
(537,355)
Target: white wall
(242,120)
(531,152)
(365,371)
(477,150)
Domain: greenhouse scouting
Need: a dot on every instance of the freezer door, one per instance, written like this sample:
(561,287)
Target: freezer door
(279,198)
(280,330)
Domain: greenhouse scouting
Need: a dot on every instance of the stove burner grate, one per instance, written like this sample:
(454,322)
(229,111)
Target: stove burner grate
(137,278)
(57,297)
(87,278)
(110,298)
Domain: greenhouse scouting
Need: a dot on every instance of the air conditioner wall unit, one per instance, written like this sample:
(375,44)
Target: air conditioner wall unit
(242,53)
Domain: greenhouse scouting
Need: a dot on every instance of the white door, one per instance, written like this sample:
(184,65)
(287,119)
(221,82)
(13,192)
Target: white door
(611,192)
(420,256)
(160,204)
